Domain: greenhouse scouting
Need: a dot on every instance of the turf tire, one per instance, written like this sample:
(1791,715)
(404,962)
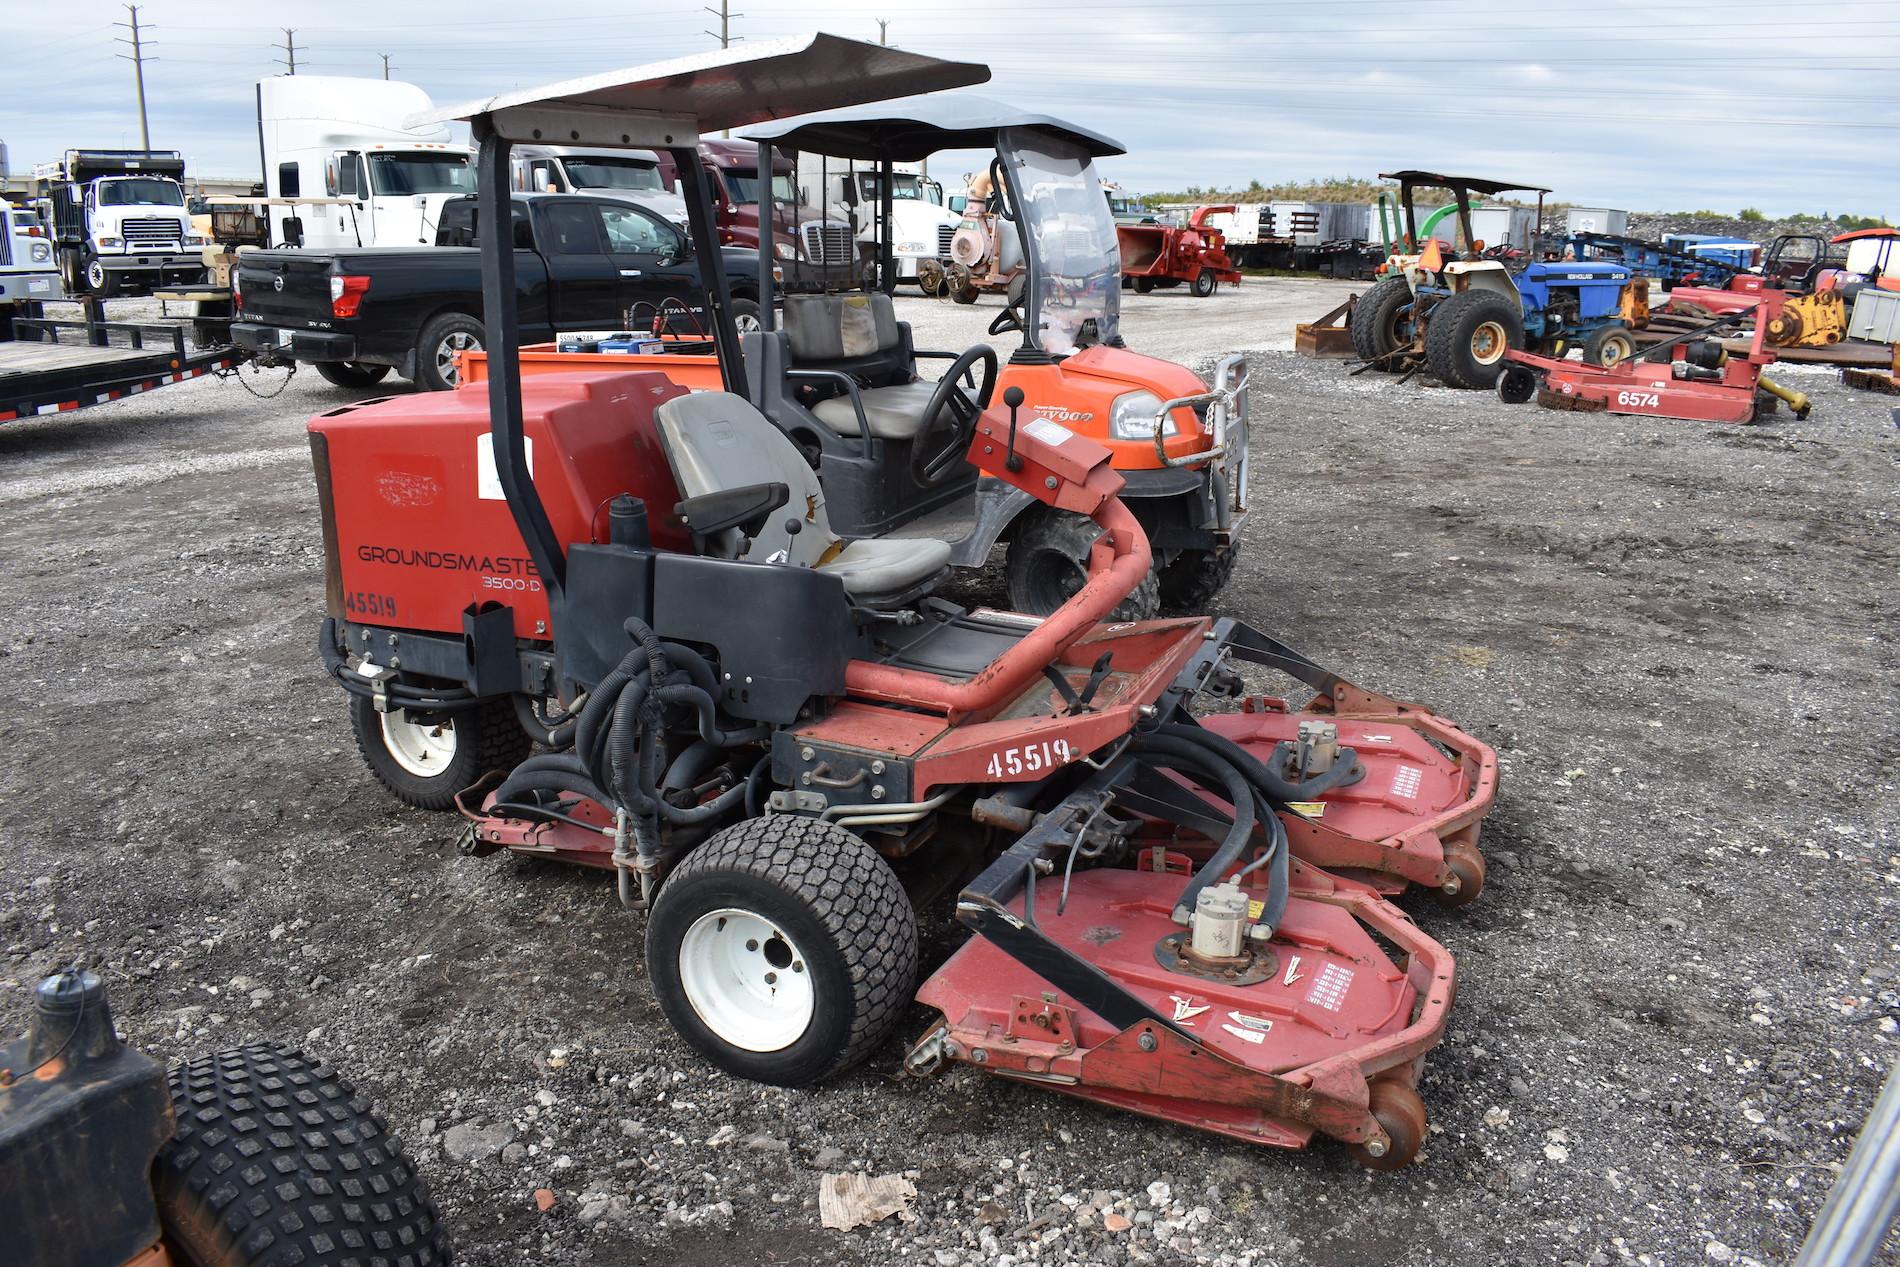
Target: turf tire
(1190,582)
(487,737)
(1048,560)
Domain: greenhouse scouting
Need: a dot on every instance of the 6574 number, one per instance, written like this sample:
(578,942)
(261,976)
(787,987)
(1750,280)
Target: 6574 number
(1030,758)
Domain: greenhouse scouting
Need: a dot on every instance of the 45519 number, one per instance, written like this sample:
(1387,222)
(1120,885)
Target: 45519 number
(1030,758)
(359,603)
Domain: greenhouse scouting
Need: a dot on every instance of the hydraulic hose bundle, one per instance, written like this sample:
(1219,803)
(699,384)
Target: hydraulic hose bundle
(620,753)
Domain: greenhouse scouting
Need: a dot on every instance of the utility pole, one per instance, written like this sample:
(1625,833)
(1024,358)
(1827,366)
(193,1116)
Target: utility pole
(138,68)
(725,37)
(385,57)
(881,24)
(289,59)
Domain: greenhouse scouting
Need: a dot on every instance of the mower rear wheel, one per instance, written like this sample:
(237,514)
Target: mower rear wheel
(1467,869)
(425,761)
(1375,321)
(1401,1114)
(276,1159)
(1205,283)
(351,375)
(1048,561)
(1190,581)
(1608,346)
(1467,338)
(783,949)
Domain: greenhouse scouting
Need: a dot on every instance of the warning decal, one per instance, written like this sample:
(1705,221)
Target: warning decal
(1329,989)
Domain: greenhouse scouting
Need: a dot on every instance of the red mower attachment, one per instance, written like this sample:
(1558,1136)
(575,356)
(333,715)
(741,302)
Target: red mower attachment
(1699,382)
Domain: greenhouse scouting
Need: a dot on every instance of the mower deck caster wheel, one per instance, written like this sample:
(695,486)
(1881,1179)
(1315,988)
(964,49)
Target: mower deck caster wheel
(1401,1115)
(1467,869)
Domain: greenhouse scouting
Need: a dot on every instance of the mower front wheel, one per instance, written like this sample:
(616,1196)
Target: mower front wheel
(1048,561)
(783,949)
(426,760)
(276,1159)
(1468,336)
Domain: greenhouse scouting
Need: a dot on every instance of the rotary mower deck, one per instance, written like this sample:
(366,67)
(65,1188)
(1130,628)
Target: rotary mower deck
(778,751)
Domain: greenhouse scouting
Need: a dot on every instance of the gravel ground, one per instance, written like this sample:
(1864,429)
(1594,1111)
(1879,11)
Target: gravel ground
(1679,989)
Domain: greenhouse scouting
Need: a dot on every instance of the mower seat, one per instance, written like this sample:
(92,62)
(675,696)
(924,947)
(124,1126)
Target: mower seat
(716,442)
(858,335)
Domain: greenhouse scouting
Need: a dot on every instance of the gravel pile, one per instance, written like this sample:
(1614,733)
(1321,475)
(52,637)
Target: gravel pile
(1679,989)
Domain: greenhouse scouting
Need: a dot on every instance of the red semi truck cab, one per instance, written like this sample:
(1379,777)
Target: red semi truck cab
(733,169)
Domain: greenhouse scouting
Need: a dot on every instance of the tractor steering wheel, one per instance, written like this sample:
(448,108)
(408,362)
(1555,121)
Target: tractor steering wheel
(953,416)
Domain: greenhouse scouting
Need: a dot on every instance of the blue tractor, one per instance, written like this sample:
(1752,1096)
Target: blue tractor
(1456,310)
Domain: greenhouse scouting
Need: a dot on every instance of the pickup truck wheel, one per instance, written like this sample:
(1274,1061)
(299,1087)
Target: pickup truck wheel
(436,349)
(351,375)
(745,316)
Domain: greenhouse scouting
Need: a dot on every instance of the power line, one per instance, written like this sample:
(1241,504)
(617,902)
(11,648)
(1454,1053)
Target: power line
(138,69)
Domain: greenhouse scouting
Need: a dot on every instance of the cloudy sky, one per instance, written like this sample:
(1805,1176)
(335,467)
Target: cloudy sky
(1784,105)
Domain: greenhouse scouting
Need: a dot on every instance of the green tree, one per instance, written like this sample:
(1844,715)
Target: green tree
(1749,215)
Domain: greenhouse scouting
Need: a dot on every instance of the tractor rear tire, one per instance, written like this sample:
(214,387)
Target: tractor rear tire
(1609,345)
(352,376)
(1375,321)
(1048,561)
(783,949)
(426,765)
(1467,337)
(1205,283)
(1190,582)
(276,1159)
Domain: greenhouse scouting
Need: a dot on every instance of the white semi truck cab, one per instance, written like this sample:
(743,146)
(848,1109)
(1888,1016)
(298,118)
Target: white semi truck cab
(118,220)
(631,174)
(921,226)
(28,274)
(330,137)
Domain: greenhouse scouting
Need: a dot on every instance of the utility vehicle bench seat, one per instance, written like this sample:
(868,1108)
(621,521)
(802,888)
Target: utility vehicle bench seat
(717,442)
(858,336)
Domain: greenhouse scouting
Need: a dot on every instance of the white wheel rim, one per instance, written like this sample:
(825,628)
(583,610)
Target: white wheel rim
(96,274)
(746,980)
(445,351)
(423,750)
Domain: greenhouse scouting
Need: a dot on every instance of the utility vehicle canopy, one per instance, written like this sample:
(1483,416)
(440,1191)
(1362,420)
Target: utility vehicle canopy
(667,104)
(914,128)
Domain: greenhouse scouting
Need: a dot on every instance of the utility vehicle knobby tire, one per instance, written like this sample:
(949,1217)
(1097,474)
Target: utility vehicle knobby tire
(1048,561)
(1205,283)
(275,1160)
(449,331)
(351,375)
(1374,326)
(487,737)
(841,906)
(1459,325)
(1189,583)
(1608,345)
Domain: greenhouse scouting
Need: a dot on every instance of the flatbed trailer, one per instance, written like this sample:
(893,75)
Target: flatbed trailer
(58,366)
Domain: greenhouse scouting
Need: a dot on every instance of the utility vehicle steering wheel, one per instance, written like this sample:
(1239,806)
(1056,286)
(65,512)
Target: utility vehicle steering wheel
(953,416)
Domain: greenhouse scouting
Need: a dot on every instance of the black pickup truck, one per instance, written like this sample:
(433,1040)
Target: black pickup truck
(581,263)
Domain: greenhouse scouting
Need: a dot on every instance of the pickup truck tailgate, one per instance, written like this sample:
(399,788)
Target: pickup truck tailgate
(285,288)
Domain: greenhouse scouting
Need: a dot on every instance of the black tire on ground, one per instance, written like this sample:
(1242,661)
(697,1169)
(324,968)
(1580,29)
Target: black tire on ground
(470,744)
(1467,336)
(1608,345)
(444,335)
(276,1159)
(1048,561)
(1205,283)
(352,375)
(964,294)
(1375,319)
(1190,581)
(99,279)
(1144,285)
(745,315)
(839,917)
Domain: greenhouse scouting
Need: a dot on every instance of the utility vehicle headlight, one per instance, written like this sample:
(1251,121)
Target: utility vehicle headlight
(1132,417)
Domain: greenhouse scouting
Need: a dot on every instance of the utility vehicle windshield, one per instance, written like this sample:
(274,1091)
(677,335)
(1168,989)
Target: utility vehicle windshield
(1075,262)
(601,172)
(420,174)
(745,186)
(905,187)
(140,191)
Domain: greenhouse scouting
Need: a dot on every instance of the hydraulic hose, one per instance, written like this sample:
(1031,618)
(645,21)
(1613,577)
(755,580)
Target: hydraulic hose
(1192,759)
(1261,775)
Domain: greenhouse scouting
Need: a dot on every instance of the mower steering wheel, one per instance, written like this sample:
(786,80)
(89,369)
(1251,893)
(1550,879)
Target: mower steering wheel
(930,463)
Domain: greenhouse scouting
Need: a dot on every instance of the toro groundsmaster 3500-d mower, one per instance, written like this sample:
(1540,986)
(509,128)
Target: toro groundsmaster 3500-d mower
(779,740)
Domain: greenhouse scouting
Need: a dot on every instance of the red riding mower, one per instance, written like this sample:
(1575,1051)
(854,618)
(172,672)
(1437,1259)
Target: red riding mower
(779,741)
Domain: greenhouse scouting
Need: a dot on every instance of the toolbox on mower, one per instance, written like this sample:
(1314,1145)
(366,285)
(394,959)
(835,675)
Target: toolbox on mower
(757,724)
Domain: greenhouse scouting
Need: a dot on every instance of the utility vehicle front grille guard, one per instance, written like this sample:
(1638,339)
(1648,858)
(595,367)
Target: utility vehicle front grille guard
(1226,403)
